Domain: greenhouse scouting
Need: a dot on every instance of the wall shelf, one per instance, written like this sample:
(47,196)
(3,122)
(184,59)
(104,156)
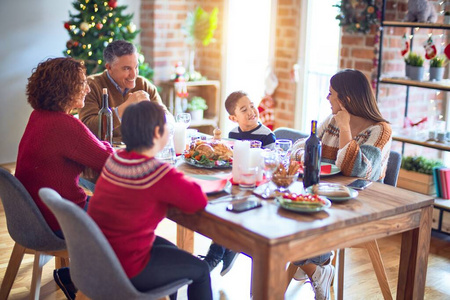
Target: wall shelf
(444,85)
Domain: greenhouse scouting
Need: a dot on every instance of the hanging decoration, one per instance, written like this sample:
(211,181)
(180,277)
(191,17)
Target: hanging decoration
(359,15)
(430,48)
(405,43)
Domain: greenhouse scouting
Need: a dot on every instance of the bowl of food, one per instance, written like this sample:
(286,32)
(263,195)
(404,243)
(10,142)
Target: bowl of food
(283,178)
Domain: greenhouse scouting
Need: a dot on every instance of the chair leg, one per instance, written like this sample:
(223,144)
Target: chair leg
(290,273)
(378,266)
(340,277)
(81,296)
(61,262)
(40,259)
(11,271)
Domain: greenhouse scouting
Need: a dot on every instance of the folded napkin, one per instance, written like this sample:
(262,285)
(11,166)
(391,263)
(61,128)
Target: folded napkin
(209,184)
(324,169)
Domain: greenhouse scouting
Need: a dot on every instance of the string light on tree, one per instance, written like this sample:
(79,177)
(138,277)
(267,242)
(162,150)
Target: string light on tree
(92,26)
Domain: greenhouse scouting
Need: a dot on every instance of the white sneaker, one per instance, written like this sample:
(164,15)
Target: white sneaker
(300,275)
(322,278)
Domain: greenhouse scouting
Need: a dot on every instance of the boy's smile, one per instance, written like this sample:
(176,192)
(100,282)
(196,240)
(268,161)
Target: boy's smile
(245,114)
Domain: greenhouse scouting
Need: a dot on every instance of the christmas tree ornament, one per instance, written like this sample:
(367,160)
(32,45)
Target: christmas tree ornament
(99,26)
(69,44)
(131,28)
(84,26)
(447,51)
(430,48)
(67,25)
(112,3)
(405,43)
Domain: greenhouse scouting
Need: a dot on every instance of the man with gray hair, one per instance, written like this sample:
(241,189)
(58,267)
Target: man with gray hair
(124,86)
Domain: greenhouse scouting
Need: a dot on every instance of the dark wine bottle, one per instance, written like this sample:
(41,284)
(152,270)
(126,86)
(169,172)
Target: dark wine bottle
(313,153)
(105,120)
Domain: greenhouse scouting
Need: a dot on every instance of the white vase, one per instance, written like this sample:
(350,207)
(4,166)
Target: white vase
(446,19)
(436,73)
(196,115)
(416,73)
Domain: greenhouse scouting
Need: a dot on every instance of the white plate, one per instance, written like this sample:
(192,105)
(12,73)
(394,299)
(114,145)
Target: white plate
(353,193)
(293,206)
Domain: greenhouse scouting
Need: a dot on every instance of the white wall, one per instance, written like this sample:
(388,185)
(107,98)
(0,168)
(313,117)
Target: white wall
(30,31)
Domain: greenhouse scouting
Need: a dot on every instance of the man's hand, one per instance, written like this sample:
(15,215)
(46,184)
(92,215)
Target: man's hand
(135,97)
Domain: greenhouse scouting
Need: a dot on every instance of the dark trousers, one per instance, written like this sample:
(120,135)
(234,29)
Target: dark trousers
(167,264)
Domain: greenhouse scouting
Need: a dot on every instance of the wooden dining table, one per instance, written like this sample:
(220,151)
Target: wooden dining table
(273,236)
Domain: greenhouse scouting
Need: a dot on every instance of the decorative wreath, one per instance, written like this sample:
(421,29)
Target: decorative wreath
(359,15)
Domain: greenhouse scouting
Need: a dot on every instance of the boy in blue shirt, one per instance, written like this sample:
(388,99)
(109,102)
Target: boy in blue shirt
(243,112)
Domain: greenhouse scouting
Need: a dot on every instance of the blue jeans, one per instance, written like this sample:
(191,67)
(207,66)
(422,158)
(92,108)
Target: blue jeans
(318,260)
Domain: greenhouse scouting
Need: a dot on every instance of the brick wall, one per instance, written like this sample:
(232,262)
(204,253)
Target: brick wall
(286,53)
(163,41)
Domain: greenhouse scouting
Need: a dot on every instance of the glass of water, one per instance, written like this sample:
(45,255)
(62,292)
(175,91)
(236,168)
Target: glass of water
(283,147)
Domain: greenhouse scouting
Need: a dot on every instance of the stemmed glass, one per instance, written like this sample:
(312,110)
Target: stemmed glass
(270,163)
(184,118)
(283,147)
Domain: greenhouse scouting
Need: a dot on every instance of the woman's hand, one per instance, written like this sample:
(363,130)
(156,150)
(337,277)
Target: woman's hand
(343,119)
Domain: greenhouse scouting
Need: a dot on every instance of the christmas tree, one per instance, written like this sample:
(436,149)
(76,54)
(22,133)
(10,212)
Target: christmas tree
(98,23)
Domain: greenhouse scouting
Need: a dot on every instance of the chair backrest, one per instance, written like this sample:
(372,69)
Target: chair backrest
(24,220)
(94,267)
(288,133)
(393,167)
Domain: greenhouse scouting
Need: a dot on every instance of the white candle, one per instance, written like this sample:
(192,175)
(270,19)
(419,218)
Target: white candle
(179,138)
(256,161)
(241,157)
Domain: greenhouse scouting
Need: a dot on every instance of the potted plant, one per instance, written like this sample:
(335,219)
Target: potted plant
(416,174)
(407,64)
(196,106)
(447,17)
(199,29)
(416,68)
(437,64)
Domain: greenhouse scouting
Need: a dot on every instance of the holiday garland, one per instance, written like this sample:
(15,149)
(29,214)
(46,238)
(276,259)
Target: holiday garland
(359,15)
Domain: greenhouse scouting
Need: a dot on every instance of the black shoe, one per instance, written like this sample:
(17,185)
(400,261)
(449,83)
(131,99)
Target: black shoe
(211,261)
(62,279)
(228,260)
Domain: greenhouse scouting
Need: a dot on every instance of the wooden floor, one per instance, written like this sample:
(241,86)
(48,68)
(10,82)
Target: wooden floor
(360,281)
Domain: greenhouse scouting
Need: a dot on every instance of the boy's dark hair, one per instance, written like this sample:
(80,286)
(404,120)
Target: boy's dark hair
(138,125)
(117,49)
(232,99)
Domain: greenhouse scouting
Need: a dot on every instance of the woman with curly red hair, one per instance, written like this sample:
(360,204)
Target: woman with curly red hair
(56,147)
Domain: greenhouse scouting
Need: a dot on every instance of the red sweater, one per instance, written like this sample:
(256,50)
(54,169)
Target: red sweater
(54,150)
(131,197)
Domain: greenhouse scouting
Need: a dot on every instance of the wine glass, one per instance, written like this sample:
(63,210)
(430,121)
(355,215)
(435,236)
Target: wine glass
(270,164)
(270,160)
(283,147)
(184,118)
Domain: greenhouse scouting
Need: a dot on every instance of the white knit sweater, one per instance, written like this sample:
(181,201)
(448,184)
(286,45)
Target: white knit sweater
(365,156)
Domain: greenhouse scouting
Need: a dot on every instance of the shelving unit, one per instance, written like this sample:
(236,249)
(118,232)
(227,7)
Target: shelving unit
(441,213)
(207,89)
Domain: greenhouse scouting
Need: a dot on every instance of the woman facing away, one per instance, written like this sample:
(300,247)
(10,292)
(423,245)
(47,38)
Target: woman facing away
(357,139)
(135,190)
(56,147)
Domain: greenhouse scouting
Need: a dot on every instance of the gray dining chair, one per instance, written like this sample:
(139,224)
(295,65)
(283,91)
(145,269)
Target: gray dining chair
(289,134)
(94,267)
(392,170)
(31,234)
